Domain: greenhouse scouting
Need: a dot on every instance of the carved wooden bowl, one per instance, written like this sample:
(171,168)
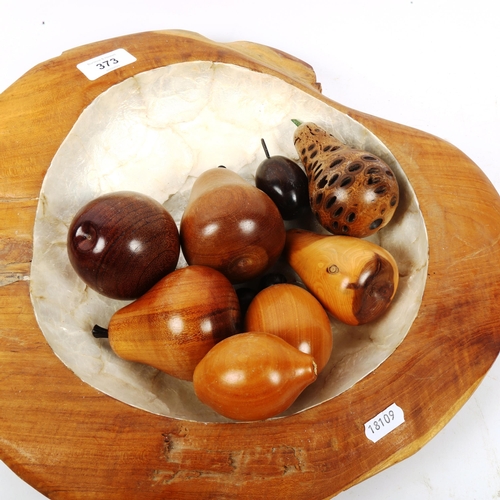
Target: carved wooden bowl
(70,440)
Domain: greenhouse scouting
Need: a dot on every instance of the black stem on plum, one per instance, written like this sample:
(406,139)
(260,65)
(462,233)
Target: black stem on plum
(99,332)
(265,148)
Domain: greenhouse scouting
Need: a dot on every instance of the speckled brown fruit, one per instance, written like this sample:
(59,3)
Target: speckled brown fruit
(351,192)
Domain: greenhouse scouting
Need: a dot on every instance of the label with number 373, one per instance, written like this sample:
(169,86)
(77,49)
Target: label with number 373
(383,423)
(105,63)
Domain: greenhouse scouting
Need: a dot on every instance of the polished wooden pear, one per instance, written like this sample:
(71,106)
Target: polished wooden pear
(173,325)
(354,279)
(253,376)
(232,226)
(294,314)
(352,192)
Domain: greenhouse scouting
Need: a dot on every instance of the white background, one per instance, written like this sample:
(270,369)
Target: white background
(430,64)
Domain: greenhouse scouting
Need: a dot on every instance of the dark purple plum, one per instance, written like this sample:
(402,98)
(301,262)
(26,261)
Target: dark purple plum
(285,183)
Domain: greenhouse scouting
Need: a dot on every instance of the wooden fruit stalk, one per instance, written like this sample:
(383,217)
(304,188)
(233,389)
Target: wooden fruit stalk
(70,441)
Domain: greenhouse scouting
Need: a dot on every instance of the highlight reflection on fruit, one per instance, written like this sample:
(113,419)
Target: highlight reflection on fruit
(352,192)
(354,279)
(285,183)
(292,313)
(232,226)
(122,243)
(253,376)
(173,325)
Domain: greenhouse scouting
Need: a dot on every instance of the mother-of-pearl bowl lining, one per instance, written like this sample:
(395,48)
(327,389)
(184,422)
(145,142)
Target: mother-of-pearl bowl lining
(155,133)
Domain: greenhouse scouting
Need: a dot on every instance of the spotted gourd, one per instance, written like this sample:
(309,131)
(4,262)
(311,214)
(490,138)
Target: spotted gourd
(351,191)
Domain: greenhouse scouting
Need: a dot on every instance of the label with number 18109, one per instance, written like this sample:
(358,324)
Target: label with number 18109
(385,422)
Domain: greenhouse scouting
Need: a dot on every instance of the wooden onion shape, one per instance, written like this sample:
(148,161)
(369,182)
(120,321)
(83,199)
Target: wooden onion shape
(177,322)
(253,376)
(352,192)
(354,279)
(232,226)
(292,313)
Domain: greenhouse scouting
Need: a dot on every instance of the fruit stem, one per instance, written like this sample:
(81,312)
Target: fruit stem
(297,122)
(99,332)
(263,142)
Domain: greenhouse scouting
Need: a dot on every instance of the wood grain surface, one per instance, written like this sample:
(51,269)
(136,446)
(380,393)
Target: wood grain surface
(70,441)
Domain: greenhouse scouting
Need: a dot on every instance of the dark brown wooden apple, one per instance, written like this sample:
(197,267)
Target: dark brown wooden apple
(121,244)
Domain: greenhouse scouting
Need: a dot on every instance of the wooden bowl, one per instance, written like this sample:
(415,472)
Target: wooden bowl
(69,440)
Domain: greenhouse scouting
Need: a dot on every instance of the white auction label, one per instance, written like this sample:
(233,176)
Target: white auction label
(105,63)
(385,422)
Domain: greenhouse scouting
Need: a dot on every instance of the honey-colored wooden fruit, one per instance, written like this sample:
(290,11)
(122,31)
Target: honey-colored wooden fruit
(173,325)
(351,192)
(48,412)
(232,226)
(354,279)
(292,313)
(253,376)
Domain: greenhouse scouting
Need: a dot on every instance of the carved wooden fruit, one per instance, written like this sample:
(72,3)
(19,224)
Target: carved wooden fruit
(122,243)
(232,226)
(299,456)
(285,183)
(354,279)
(253,376)
(292,313)
(351,192)
(177,322)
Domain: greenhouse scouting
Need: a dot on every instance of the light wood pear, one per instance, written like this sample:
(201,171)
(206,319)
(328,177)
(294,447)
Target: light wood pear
(354,279)
(294,314)
(253,376)
(173,325)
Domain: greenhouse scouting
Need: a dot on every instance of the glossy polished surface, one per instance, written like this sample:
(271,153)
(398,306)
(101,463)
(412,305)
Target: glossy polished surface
(253,376)
(352,192)
(285,183)
(354,279)
(122,243)
(292,313)
(177,322)
(231,226)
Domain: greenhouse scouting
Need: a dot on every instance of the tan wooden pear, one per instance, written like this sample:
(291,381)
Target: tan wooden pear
(352,192)
(253,376)
(175,323)
(354,279)
(294,314)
